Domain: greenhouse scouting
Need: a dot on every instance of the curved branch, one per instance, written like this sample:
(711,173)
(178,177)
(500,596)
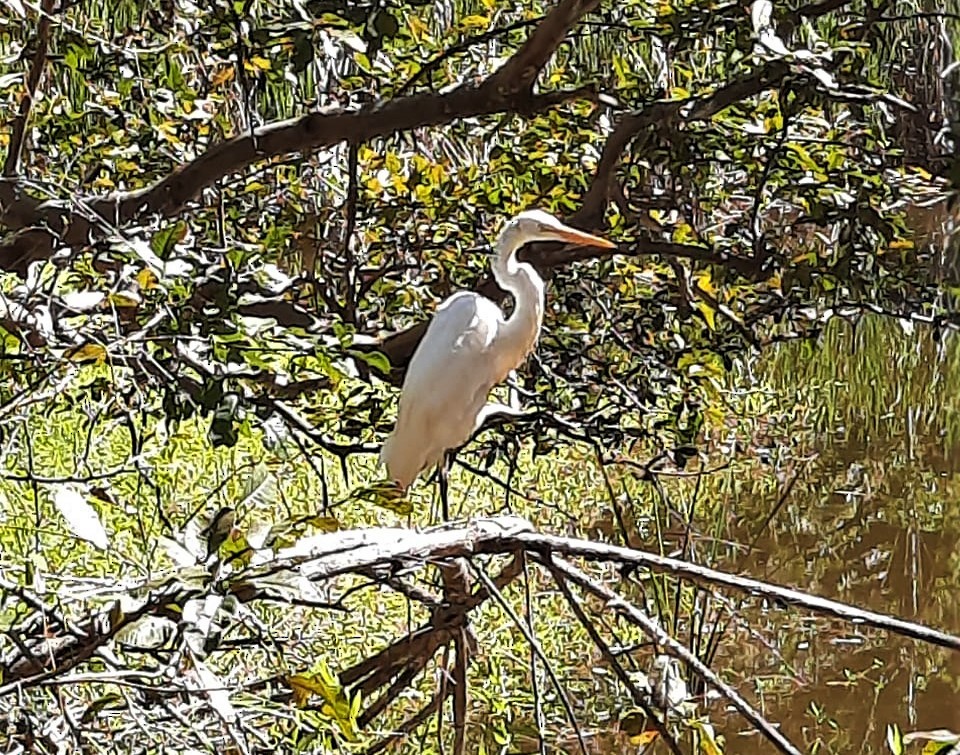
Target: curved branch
(662,114)
(507,90)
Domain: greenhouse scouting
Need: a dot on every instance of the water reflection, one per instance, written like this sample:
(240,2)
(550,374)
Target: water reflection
(867,424)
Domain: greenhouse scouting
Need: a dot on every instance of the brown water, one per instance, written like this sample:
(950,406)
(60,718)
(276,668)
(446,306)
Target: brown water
(863,450)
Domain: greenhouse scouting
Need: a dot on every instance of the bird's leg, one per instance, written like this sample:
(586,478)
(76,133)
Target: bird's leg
(442,470)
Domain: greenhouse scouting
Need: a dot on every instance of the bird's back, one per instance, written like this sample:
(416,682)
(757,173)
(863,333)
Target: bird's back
(446,385)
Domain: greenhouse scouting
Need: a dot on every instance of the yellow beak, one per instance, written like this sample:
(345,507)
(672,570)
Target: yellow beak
(584,239)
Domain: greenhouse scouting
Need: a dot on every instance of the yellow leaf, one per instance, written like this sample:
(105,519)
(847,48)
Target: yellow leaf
(708,314)
(417,26)
(325,523)
(259,63)
(87,353)
(475,22)
(705,281)
(644,737)
(900,244)
(223,75)
(710,744)
(387,495)
(683,233)
(236,548)
(336,704)
(146,279)
(124,299)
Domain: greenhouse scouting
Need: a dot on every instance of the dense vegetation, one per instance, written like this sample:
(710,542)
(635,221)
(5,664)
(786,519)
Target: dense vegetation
(225,226)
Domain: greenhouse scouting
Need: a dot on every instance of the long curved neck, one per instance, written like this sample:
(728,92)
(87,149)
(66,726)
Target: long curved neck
(521,280)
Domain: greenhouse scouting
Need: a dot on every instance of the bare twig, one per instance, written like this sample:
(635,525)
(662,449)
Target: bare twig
(535,646)
(653,629)
(636,694)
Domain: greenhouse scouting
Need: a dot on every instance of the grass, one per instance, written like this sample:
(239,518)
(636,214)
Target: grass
(877,481)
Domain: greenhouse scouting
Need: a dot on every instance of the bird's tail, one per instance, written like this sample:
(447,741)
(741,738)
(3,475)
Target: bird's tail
(403,461)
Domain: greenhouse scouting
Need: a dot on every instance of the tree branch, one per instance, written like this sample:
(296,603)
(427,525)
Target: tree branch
(507,90)
(664,114)
(521,70)
(545,258)
(19,127)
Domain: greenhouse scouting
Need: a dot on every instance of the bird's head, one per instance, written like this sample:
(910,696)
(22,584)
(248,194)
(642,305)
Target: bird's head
(537,225)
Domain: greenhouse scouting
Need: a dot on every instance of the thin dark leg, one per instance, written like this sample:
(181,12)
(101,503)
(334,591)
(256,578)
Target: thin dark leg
(442,470)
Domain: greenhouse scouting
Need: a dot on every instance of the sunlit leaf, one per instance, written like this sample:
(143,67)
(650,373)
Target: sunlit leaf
(336,704)
(895,739)
(644,738)
(82,301)
(125,299)
(147,279)
(709,314)
(82,519)
(386,495)
(710,744)
(475,22)
(89,352)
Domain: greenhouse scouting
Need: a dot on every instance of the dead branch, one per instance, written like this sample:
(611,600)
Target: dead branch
(37,661)
(653,629)
(636,694)
(703,575)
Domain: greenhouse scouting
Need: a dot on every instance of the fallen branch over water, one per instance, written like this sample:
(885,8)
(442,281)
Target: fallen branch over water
(48,649)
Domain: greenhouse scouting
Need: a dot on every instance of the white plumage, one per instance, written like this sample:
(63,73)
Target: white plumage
(470,347)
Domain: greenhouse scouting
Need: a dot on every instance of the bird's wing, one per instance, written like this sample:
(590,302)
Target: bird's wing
(454,352)
(446,385)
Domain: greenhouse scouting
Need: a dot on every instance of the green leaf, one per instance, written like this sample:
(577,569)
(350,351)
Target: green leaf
(164,240)
(375,359)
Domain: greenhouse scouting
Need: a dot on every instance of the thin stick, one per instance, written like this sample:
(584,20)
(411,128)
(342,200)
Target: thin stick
(635,692)
(653,629)
(19,127)
(564,698)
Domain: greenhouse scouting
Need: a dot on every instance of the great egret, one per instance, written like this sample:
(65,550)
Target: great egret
(470,347)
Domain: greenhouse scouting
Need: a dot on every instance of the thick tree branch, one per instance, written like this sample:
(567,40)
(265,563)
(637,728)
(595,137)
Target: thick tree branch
(507,90)
(327,555)
(19,126)
(521,70)
(545,258)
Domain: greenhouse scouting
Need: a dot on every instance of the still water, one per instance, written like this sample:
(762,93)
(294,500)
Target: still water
(858,456)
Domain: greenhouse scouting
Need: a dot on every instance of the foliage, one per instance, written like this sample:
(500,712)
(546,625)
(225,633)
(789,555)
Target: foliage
(184,269)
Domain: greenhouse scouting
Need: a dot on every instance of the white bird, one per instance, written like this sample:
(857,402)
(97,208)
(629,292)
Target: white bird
(470,347)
